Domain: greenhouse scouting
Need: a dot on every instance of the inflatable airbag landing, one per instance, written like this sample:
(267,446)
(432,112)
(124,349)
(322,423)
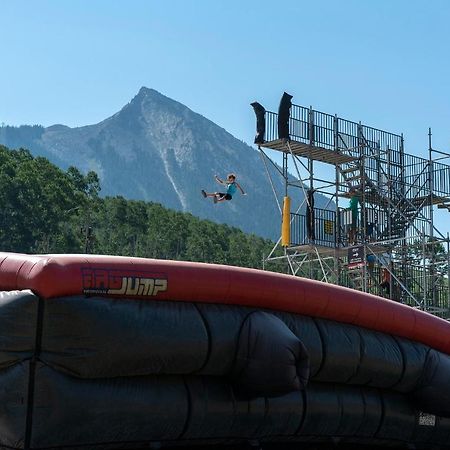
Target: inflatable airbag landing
(433,395)
(270,359)
(223,355)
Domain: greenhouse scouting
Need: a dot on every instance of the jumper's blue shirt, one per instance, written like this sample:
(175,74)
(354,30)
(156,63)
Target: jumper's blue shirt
(231,188)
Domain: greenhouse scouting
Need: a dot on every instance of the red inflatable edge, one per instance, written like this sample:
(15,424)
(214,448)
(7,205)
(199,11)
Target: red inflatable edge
(50,276)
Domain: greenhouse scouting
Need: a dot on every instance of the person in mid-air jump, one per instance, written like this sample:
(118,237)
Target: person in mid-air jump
(231,184)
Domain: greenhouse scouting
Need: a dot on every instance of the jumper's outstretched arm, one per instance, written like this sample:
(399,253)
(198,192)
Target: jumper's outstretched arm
(240,188)
(218,179)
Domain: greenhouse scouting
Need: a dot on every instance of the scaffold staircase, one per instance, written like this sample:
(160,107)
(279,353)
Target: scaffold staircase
(401,217)
(400,211)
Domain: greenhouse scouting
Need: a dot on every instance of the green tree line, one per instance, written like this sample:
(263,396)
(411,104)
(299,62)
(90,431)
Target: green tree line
(44,209)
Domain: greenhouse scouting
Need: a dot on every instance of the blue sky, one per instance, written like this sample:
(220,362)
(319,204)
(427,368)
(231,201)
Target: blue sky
(383,62)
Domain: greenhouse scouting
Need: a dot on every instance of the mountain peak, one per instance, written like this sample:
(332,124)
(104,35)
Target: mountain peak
(145,91)
(151,100)
(147,97)
(146,94)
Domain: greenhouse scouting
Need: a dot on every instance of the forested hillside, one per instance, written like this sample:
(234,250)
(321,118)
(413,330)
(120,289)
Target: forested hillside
(47,210)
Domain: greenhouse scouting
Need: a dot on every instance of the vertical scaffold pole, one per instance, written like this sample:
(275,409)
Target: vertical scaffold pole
(448,270)
(311,133)
(432,249)
(362,188)
(285,221)
(424,283)
(337,224)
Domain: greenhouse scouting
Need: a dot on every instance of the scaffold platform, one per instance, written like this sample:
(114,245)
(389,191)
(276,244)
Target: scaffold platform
(308,151)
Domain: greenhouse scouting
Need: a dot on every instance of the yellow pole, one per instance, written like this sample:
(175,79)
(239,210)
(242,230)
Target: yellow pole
(286,223)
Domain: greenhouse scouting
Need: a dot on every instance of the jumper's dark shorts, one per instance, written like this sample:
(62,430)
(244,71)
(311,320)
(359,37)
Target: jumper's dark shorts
(224,195)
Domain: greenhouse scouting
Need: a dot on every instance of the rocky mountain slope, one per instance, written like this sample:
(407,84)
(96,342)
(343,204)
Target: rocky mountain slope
(157,149)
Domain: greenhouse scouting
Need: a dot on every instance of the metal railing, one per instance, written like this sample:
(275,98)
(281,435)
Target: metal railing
(310,126)
(385,163)
(322,232)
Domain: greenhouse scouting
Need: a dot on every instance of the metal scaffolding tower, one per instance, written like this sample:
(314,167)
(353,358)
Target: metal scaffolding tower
(387,243)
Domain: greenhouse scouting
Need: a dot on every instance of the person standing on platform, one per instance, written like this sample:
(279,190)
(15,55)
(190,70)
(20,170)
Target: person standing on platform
(386,281)
(310,216)
(353,207)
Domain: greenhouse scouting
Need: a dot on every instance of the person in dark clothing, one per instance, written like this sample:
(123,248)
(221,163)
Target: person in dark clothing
(310,217)
(386,281)
(353,207)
